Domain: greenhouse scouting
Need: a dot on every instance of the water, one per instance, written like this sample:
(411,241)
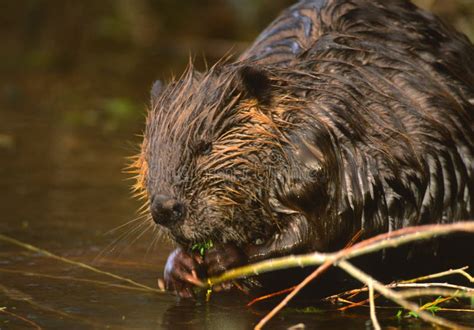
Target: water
(72,95)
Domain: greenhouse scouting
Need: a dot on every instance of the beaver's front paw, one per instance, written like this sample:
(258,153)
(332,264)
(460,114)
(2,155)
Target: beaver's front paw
(220,258)
(181,273)
(223,257)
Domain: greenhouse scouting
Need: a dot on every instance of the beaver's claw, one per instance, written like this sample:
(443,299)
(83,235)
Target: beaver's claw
(180,273)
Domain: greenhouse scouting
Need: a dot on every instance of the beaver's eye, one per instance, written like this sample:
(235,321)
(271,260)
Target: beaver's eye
(204,147)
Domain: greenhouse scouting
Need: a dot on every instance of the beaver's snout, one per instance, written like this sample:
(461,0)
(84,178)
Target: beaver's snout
(166,210)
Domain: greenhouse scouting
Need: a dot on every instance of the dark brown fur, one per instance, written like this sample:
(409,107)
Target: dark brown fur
(344,115)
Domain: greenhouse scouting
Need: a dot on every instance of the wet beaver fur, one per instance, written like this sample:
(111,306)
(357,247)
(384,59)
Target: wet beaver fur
(343,115)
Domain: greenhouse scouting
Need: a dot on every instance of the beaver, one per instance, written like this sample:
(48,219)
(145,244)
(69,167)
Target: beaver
(343,115)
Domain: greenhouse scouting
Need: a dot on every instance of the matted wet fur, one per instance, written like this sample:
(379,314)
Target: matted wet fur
(343,115)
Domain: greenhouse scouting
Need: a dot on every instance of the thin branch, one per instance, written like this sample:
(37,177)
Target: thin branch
(271,295)
(383,241)
(395,296)
(354,304)
(293,293)
(72,279)
(436,302)
(21,318)
(20,296)
(461,271)
(423,291)
(373,315)
(403,283)
(352,241)
(405,235)
(431,285)
(75,263)
(406,294)
(462,310)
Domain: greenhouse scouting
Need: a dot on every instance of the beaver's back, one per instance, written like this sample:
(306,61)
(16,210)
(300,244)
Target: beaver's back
(396,88)
(387,24)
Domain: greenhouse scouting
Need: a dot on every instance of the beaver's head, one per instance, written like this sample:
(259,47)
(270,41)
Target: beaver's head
(209,155)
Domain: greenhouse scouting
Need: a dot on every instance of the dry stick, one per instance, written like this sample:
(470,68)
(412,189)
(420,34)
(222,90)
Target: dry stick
(404,236)
(346,301)
(436,302)
(431,285)
(395,296)
(461,271)
(271,295)
(403,284)
(293,293)
(266,266)
(424,291)
(75,263)
(435,292)
(18,295)
(456,310)
(383,241)
(354,304)
(410,294)
(73,279)
(373,316)
(387,240)
(21,318)
(278,293)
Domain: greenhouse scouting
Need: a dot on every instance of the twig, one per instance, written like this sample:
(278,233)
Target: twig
(21,318)
(352,241)
(75,263)
(461,271)
(383,241)
(405,235)
(73,279)
(436,302)
(271,295)
(431,285)
(462,310)
(18,295)
(373,316)
(354,304)
(293,293)
(406,294)
(347,302)
(266,266)
(395,296)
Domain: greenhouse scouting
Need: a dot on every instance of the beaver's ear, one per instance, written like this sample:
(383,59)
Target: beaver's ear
(156,90)
(255,83)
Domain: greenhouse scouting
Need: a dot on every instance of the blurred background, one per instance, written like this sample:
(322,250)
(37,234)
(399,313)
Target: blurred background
(94,61)
(74,84)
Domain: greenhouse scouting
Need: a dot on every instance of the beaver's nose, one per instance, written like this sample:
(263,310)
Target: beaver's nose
(166,210)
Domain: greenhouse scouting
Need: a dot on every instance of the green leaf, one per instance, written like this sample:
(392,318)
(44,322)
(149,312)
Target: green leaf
(413,314)
(399,314)
(202,247)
